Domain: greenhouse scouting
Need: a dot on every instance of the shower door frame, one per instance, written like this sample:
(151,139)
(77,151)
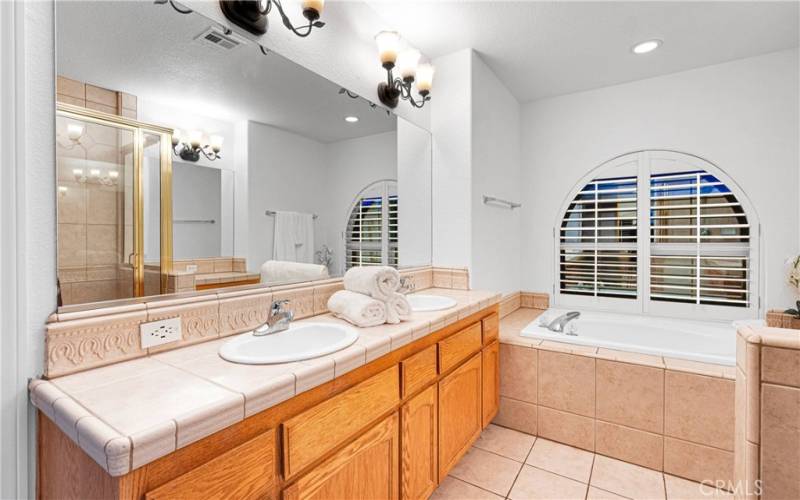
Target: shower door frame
(139,130)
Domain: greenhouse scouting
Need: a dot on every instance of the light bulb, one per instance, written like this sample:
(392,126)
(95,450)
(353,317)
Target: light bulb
(388,45)
(74,131)
(95,172)
(216,143)
(645,47)
(195,138)
(177,135)
(113,174)
(77,172)
(407,63)
(424,78)
(62,189)
(315,5)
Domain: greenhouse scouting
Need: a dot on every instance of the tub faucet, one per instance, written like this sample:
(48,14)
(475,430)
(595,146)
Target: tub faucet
(277,321)
(558,324)
(406,285)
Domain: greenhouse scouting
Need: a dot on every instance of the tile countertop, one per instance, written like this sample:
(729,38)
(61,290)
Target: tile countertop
(131,413)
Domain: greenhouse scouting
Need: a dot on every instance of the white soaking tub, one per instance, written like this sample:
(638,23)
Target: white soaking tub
(706,341)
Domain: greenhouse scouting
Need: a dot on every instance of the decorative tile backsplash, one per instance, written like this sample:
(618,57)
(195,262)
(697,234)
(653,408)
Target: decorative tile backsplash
(79,341)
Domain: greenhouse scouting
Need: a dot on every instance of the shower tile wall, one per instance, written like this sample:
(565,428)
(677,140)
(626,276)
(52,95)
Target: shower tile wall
(92,264)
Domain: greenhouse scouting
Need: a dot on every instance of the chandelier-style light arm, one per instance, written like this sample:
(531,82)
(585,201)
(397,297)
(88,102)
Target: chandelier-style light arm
(310,14)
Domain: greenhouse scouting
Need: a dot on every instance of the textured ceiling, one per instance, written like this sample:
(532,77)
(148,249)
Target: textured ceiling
(544,49)
(149,50)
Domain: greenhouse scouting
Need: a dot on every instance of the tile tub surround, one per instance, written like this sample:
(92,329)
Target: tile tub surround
(505,463)
(767,413)
(665,414)
(516,300)
(85,339)
(128,414)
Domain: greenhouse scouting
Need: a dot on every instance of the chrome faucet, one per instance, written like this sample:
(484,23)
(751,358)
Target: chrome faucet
(277,321)
(558,324)
(406,285)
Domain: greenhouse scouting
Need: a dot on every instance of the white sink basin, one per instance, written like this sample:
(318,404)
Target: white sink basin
(422,303)
(301,341)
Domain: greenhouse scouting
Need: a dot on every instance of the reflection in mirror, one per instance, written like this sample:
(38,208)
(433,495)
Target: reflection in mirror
(233,168)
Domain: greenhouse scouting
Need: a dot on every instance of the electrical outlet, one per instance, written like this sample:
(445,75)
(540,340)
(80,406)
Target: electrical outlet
(160,332)
(191,268)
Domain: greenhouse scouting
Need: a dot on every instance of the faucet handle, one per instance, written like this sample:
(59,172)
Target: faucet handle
(406,284)
(277,305)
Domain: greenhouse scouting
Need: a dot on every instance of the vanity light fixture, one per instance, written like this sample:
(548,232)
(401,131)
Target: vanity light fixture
(252,15)
(190,150)
(646,46)
(351,119)
(96,176)
(407,64)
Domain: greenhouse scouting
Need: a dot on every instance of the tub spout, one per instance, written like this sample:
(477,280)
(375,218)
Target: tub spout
(558,324)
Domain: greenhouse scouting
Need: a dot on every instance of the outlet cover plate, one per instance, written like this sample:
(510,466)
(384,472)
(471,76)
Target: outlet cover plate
(160,332)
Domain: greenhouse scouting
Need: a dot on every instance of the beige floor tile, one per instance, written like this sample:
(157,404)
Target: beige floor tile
(561,459)
(683,489)
(487,470)
(598,494)
(507,442)
(627,479)
(534,484)
(456,489)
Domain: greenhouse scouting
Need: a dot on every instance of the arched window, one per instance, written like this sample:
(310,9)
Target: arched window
(371,234)
(659,232)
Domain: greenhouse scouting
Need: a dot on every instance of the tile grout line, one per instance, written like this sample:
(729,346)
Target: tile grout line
(524,462)
(591,472)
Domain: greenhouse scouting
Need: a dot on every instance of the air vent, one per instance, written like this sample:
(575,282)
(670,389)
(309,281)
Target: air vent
(216,38)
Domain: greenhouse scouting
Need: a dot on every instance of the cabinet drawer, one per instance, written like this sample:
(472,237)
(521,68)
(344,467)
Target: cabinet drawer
(419,370)
(247,471)
(491,328)
(458,347)
(308,436)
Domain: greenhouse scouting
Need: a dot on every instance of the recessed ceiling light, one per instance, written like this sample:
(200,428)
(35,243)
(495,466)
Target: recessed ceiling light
(351,119)
(645,47)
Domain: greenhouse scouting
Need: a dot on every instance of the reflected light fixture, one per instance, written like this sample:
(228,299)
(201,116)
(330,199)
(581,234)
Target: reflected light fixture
(190,149)
(646,46)
(252,15)
(407,64)
(351,119)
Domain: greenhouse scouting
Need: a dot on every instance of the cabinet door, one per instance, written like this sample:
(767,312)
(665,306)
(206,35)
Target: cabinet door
(459,413)
(491,381)
(366,469)
(419,430)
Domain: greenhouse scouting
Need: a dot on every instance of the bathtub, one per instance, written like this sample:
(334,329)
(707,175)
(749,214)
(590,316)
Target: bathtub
(706,341)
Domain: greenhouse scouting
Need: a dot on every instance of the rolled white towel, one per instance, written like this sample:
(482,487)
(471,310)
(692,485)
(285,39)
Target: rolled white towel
(358,309)
(279,271)
(379,282)
(397,308)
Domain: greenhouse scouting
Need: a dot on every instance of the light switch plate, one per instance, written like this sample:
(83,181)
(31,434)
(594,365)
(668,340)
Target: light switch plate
(160,332)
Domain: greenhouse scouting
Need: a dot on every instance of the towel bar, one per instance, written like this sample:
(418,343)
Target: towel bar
(500,202)
(271,213)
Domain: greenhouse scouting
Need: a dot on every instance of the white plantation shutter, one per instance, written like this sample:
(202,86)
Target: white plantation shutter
(699,241)
(371,236)
(660,232)
(598,240)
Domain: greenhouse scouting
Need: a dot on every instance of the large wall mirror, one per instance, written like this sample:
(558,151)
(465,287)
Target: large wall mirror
(190,159)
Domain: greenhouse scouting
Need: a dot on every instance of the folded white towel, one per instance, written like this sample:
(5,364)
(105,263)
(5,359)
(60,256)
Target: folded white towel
(358,309)
(279,271)
(379,282)
(397,308)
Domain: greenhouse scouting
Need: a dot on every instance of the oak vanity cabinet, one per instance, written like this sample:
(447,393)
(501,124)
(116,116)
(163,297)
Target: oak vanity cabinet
(390,429)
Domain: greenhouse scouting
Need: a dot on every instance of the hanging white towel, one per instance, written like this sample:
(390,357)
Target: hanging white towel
(294,237)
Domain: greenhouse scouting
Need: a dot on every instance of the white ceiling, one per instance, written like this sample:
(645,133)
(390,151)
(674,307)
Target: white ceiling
(148,50)
(543,49)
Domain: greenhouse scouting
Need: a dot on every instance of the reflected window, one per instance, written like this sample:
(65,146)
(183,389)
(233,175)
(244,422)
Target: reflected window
(371,236)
